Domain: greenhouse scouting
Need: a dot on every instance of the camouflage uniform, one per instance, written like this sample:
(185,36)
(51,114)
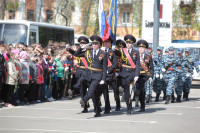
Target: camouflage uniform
(191,65)
(181,74)
(158,76)
(170,76)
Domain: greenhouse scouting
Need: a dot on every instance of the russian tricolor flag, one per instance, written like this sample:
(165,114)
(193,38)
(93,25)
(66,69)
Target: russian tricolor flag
(102,22)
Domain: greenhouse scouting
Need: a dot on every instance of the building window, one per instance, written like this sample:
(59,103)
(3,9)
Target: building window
(49,14)
(30,15)
(183,33)
(126,17)
(11,14)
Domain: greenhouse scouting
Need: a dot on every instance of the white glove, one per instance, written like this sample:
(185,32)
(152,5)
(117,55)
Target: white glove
(116,74)
(85,46)
(163,70)
(107,72)
(157,75)
(199,74)
(101,82)
(161,76)
(67,46)
(150,80)
(66,68)
(113,47)
(136,79)
(103,48)
(187,75)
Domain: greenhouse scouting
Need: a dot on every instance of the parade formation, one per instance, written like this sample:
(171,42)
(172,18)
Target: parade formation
(32,74)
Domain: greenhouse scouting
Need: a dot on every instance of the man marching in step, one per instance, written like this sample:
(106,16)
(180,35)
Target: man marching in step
(81,72)
(97,68)
(146,72)
(130,68)
(110,77)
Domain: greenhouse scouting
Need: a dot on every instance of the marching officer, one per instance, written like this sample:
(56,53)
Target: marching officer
(130,68)
(170,73)
(158,65)
(97,69)
(146,72)
(110,78)
(81,72)
(181,74)
(191,65)
(148,85)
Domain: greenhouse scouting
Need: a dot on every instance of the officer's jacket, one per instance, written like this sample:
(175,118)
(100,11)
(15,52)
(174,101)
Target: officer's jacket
(124,72)
(113,59)
(99,62)
(149,63)
(158,63)
(173,60)
(182,65)
(192,64)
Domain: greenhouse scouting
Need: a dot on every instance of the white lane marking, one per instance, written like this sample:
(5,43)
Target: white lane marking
(89,119)
(167,113)
(178,107)
(50,109)
(45,130)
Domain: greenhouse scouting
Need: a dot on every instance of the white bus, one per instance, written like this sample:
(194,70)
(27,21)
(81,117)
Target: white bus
(15,31)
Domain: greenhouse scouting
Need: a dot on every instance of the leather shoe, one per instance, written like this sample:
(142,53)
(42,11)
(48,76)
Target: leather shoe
(141,110)
(84,111)
(128,111)
(107,112)
(117,109)
(97,115)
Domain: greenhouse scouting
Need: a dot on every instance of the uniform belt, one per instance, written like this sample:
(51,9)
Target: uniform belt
(94,69)
(117,69)
(142,72)
(82,67)
(126,66)
(171,69)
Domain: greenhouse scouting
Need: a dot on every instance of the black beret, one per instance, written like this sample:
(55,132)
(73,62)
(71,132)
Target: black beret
(142,43)
(120,43)
(96,39)
(129,38)
(83,39)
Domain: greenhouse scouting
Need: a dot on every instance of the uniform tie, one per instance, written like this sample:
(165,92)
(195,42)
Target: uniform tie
(94,53)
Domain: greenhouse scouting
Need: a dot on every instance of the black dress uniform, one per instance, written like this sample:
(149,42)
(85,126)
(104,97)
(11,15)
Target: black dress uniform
(110,78)
(97,69)
(2,61)
(146,71)
(127,72)
(81,72)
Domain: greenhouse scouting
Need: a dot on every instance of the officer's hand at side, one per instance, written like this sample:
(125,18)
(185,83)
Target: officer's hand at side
(116,74)
(157,75)
(161,76)
(101,82)
(136,79)
(163,70)
(85,46)
(67,46)
(150,80)
(187,75)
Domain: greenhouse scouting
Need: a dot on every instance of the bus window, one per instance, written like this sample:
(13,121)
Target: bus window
(43,36)
(32,38)
(1,31)
(58,35)
(14,33)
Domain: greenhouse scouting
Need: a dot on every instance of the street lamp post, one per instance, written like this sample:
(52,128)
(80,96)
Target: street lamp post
(156,25)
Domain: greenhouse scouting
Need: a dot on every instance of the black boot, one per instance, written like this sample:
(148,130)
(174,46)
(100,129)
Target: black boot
(178,98)
(85,110)
(167,99)
(164,96)
(157,97)
(148,99)
(186,96)
(173,99)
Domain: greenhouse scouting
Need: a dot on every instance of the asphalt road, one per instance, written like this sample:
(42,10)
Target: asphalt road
(65,117)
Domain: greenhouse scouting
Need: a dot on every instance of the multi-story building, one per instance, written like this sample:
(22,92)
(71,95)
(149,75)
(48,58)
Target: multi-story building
(75,14)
